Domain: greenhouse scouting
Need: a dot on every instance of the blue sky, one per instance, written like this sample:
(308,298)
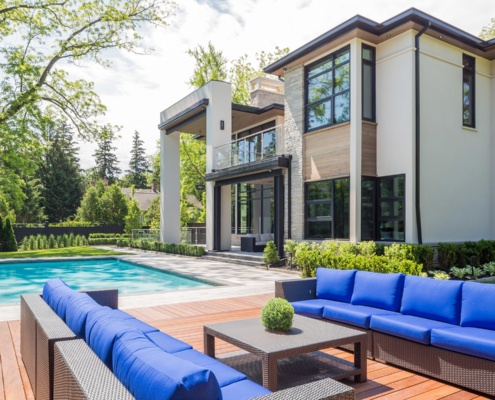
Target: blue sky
(136,88)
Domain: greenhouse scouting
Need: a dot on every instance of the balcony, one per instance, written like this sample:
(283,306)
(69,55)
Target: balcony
(256,147)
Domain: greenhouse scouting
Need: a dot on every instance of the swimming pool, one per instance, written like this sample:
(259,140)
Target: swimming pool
(29,277)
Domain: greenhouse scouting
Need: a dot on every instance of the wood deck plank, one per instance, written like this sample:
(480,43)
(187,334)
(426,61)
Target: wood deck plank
(185,322)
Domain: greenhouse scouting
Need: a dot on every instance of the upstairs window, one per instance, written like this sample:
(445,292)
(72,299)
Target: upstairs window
(368,74)
(327,91)
(468,91)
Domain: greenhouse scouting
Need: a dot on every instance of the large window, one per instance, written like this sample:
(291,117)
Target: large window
(383,208)
(368,73)
(327,91)
(468,91)
(327,209)
(252,208)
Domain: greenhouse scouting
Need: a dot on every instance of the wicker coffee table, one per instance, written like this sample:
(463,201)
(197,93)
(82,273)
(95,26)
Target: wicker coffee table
(307,335)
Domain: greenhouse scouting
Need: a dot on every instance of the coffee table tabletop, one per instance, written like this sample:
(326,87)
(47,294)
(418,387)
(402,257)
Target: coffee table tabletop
(306,335)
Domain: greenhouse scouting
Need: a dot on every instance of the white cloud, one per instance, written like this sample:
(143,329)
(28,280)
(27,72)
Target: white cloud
(136,88)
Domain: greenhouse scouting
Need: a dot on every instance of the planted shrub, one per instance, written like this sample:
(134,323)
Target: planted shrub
(489,268)
(10,242)
(459,273)
(439,274)
(270,254)
(447,255)
(277,315)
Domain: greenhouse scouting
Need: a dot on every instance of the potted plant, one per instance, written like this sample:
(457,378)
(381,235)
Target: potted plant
(277,315)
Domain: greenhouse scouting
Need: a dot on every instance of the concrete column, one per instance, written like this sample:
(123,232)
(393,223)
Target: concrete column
(170,187)
(356,142)
(219,109)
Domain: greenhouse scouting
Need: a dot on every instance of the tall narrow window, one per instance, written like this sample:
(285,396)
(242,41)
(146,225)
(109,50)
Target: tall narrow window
(468,91)
(327,91)
(368,73)
(391,208)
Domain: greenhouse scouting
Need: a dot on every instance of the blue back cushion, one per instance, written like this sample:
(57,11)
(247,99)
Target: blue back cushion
(55,294)
(77,310)
(150,373)
(334,284)
(477,305)
(432,298)
(373,289)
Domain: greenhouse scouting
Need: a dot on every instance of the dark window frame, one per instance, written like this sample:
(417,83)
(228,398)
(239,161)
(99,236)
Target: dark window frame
(332,218)
(372,64)
(469,71)
(334,94)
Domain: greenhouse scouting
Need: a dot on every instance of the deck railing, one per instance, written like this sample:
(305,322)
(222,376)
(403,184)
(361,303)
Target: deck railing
(255,147)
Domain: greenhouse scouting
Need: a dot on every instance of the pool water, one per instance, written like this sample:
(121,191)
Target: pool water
(29,277)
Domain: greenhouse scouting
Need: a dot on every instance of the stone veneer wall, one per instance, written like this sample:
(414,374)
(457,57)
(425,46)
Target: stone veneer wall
(294,128)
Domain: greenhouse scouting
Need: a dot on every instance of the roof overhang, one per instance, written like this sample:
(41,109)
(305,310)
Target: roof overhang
(374,32)
(190,117)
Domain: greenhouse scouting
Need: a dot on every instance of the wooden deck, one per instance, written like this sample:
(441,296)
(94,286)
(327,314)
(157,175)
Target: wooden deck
(185,321)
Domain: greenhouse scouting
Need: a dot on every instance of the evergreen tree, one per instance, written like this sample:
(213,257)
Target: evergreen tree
(113,204)
(10,243)
(2,234)
(59,173)
(133,217)
(138,166)
(106,160)
(90,209)
(32,209)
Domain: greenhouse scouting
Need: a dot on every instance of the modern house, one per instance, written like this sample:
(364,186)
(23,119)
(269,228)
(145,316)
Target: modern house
(383,131)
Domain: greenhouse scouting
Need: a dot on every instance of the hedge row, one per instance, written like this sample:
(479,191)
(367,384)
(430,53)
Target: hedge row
(462,254)
(184,249)
(103,241)
(109,235)
(41,242)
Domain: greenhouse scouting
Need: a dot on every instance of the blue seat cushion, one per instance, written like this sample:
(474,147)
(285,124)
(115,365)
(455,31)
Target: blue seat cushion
(432,298)
(477,309)
(407,326)
(102,328)
(473,341)
(150,373)
(310,308)
(243,390)
(225,374)
(373,289)
(78,307)
(334,284)
(167,342)
(353,315)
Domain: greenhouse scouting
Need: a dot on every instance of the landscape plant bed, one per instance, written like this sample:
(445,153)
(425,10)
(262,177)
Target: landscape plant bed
(64,252)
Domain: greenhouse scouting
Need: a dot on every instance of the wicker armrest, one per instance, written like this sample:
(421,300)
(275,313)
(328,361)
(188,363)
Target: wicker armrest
(80,374)
(296,289)
(324,389)
(105,297)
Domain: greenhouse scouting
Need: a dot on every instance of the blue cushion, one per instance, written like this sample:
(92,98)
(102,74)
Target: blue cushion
(59,300)
(473,341)
(407,326)
(77,310)
(353,315)
(150,373)
(378,290)
(49,287)
(477,308)
(334,284)
(225,375)
(432,298)
(167,343)
(310,308)
(243,390)
(102,328)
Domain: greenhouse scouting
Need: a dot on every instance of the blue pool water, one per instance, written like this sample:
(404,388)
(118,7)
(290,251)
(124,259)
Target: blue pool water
(29,277)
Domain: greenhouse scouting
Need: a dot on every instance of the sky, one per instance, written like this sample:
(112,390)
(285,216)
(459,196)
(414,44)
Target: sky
(136,88)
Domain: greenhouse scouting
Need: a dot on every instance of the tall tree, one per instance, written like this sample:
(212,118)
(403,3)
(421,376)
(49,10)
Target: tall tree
(138,165)
(59,173)
(32,208)
(105,158)
(488,32)
(154,163)
(210,65)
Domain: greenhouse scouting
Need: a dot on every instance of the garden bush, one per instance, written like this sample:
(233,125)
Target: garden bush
(277,315)
(181,248)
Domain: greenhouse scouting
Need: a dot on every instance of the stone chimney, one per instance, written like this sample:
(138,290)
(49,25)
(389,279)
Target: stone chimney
(266,91)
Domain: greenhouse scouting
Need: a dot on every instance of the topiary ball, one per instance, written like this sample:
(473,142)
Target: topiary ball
(277,314)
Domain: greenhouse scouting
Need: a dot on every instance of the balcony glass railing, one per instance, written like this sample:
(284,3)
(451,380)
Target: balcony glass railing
(251,148)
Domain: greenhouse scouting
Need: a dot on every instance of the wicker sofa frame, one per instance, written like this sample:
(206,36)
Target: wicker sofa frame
(460,369)
(60,366)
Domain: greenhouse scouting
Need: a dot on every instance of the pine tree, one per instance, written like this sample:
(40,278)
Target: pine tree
(106,160)
(32,208)
(59,173)
(10,243)
(2,235)
(138,165)
(133,217)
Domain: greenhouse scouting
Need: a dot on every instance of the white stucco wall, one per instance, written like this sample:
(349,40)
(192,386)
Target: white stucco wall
(456,162)
(395,117)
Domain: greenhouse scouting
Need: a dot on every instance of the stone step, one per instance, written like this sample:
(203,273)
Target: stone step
(235,260)
(237,256)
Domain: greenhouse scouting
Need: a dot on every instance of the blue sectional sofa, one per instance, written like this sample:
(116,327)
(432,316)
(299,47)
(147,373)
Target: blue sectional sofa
(148,363)
(445,329)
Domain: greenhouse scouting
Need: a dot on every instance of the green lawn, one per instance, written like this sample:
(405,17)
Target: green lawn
(64,252)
